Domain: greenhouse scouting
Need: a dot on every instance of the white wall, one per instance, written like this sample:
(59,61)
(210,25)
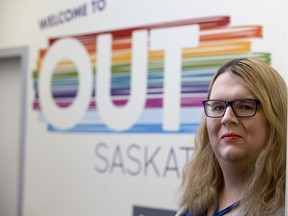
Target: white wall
(19,26)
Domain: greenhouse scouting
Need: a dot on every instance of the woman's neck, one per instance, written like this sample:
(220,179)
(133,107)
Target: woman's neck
(234,174)
(234,182)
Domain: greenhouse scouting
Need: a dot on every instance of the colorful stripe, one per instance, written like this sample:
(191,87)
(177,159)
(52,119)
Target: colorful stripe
(219,43)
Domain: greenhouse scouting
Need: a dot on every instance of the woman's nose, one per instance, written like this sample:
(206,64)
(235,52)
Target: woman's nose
(229,116)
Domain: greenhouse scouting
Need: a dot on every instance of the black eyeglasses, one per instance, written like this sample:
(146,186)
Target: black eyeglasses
(241,107)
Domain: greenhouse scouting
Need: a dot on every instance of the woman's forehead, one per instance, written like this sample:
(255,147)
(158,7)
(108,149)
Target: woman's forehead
(230,85)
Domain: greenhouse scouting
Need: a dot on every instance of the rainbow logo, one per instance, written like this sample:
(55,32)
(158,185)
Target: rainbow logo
(219,42)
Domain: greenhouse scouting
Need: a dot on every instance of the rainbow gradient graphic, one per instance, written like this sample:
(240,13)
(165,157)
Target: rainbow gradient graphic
(219,42)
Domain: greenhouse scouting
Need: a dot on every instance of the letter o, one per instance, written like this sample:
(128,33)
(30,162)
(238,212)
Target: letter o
(68,49)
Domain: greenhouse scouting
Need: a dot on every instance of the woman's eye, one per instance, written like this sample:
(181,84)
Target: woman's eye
(218,107)
(245,107)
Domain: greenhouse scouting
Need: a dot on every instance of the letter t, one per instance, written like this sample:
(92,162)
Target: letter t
(172,41)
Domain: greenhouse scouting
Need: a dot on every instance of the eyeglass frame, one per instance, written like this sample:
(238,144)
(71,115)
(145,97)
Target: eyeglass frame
(230,103)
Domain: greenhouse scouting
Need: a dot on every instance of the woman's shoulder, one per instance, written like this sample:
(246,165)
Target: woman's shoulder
(183,212)
(280,212)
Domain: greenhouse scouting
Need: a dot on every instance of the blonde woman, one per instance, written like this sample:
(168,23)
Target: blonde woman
(238,167)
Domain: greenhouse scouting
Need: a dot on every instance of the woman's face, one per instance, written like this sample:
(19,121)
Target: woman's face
(235,139)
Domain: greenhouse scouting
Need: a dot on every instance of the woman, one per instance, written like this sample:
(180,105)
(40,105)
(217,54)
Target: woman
(238,167)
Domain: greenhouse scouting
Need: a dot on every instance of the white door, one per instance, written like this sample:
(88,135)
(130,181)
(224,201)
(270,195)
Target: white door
(10,124)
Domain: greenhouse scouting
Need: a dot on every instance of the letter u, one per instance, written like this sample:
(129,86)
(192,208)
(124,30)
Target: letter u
(122,118)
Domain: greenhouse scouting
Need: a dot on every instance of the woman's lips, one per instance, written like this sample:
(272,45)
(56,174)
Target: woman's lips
(230,137)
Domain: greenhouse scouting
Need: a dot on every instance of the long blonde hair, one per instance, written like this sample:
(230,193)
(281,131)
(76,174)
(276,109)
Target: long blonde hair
(265,181)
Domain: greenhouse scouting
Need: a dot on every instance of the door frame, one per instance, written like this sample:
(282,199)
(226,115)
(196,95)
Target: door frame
(22,53)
